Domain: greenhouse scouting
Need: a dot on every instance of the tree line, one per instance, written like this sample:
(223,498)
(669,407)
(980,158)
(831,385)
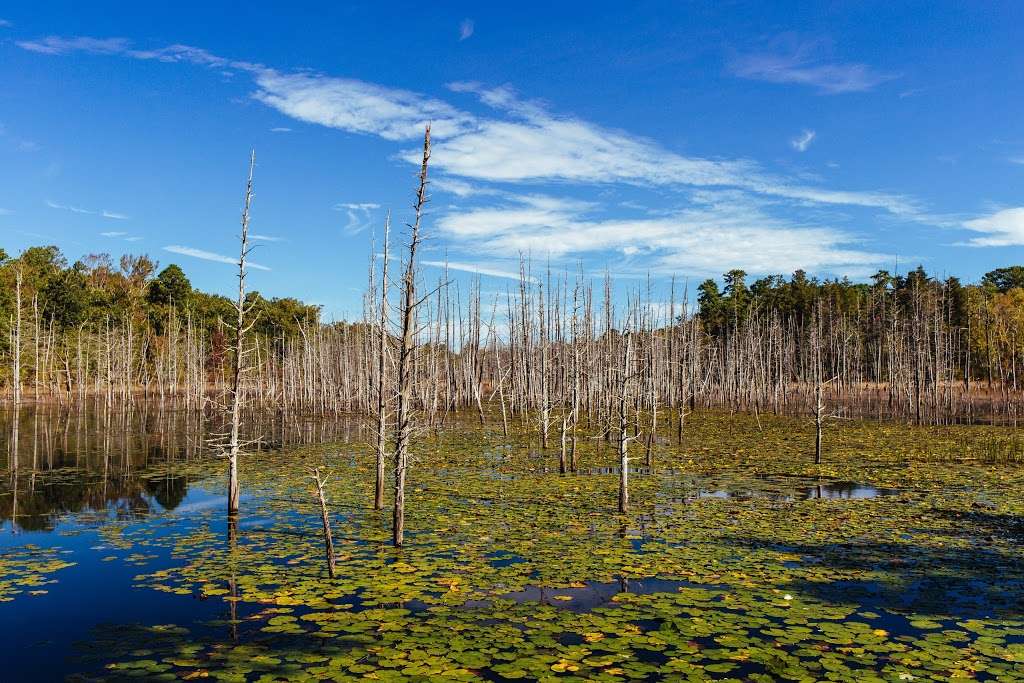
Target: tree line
(908,346)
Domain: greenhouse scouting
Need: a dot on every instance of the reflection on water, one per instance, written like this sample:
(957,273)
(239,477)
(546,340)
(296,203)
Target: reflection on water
(93,460)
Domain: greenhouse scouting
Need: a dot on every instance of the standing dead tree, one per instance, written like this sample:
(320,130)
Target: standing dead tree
(16,341)
(241,328)
(624,389)
(407,348)
(382,366)
(820,416)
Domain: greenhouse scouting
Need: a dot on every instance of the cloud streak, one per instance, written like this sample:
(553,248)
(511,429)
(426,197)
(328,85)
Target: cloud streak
(209,256)
(524,142)
(800,66)
(719,230)
(478,269)
(1003,228)
(466,28)
(801,142)
(357,216)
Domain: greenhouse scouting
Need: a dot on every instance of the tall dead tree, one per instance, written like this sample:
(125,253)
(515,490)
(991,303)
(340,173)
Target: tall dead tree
(407,348)
(382,366)
(241,327)
(625,381)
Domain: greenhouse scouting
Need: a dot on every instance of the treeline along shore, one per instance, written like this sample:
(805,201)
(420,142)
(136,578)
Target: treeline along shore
(906,346)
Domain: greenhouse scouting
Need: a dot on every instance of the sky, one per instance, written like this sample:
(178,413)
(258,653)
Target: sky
(649,139)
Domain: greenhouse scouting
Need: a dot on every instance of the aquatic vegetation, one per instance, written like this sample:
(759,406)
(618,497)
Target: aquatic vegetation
(739,560)
(26,570)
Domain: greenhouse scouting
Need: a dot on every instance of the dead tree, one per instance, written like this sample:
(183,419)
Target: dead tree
(625,382)
(382,351)
(820,416)
(240,329)
(407,348)
(16,342)
(319,482)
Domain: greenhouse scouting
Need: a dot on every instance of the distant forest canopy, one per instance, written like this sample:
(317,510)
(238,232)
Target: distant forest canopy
(1000,293)
(93,292)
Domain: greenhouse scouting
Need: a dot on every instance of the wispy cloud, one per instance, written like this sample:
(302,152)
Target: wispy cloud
(113,234)
(799,63)
(358,215)
(1004,228)
(719,230)
(56,45)
(5,212)
(477,268)
(89,212)
(526,143)
(5,24)
(209,256)
(280,129)
(357,106)
(72,209)
(1016,160)
(266,238)
(466,28)
(801,142)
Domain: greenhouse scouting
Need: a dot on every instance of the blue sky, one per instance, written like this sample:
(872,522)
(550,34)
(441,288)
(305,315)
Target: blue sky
(646,138)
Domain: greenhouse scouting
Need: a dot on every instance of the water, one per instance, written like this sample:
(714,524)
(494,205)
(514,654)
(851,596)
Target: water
(125,495)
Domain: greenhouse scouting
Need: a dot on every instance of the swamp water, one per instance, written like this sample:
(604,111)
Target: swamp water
(898,559)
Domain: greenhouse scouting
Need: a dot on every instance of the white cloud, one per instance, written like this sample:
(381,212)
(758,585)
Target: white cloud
(466,27)
(801,142)
(527,144)
(477,268)
(56,45)
(357,215)
(72,209)
(266,238)
(720,230)
(135,238)
(1003,228)
(89,212)
(280,129)
(365,206)
(1016,160)
(113,234)
(209,256)
(799,65)
(356,106)
(5,24)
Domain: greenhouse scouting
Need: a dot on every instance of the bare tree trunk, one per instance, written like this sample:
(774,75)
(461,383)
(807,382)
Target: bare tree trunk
(382,402)
(328,539)
(624,381)
(403,421)
(237,369)
(16,365)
